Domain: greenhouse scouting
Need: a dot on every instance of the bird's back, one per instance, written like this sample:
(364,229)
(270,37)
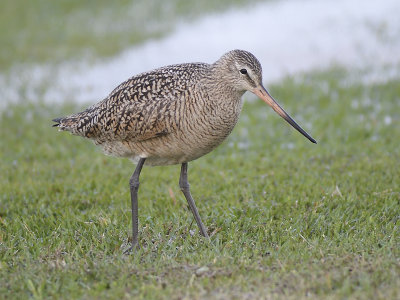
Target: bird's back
(140,108)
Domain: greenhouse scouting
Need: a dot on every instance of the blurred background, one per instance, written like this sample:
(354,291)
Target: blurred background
(80,50)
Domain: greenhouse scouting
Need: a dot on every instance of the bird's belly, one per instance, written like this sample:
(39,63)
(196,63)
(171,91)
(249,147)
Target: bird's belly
(170,149)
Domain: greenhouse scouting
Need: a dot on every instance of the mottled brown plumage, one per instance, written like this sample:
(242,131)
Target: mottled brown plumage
(173,114)
(170,115)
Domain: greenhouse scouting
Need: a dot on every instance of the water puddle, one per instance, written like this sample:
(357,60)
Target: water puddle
(288,37)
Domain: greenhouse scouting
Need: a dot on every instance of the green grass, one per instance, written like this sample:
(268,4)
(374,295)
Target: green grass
(42,30)
(288,219)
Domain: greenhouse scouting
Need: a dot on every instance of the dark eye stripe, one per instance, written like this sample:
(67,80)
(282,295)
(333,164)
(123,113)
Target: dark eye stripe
(251,81)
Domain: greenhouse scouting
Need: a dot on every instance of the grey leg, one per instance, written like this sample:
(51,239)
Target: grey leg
(134,187)
(184,185)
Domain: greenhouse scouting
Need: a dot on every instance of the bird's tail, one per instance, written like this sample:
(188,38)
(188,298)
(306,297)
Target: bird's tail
(57,121)
(69,123)
(84,123)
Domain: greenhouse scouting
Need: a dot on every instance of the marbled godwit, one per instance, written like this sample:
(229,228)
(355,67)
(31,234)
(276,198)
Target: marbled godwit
(173,115)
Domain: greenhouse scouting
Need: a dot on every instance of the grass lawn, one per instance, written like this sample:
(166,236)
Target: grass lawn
(288,219)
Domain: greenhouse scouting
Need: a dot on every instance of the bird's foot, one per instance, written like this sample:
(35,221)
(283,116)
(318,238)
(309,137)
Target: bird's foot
(131,249)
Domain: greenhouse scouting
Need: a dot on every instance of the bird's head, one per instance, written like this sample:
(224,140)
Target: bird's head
(243,72)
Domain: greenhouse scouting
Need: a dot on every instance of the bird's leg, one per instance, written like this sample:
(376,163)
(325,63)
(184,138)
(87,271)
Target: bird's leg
(134,187)
(184,185)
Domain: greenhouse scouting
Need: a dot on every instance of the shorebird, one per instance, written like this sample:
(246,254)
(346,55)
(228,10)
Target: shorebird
(173,115)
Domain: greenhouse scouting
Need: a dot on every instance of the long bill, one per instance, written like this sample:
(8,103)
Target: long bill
(263,94)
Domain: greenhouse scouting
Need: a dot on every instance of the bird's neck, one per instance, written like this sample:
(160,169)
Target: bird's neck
(221,101)
(220,85)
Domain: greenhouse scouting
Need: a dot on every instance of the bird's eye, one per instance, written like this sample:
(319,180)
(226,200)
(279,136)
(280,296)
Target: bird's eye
(243,71)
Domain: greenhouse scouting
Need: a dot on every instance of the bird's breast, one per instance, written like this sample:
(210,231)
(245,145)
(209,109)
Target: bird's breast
(205,124)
